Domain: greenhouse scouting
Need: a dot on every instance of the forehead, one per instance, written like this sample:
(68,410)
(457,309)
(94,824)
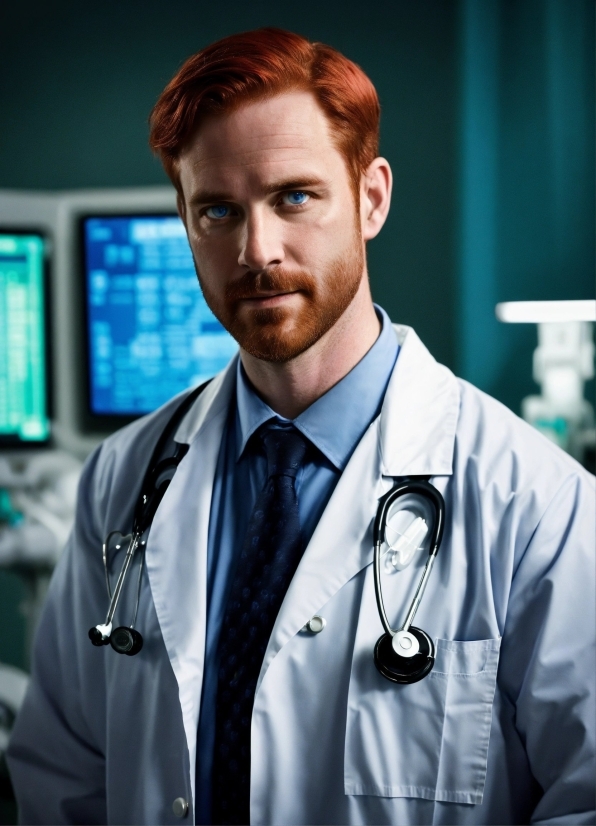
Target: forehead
(287,135)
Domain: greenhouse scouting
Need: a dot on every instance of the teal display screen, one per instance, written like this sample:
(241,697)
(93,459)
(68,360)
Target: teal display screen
(23,359)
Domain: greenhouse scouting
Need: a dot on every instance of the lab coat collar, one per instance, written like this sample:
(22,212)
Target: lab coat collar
(419,413)
(418,416)
(213,401)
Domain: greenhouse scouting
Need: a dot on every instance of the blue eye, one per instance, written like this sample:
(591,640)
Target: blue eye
(218,212)
(295,198)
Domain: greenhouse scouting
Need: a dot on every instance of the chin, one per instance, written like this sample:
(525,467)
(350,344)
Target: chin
(273,335)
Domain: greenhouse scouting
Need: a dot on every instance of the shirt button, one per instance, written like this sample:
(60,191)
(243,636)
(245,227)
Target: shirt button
(316,624)
(180,807)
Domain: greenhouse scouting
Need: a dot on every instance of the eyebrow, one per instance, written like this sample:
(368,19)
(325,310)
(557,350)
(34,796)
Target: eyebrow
(206,196)
(293,183)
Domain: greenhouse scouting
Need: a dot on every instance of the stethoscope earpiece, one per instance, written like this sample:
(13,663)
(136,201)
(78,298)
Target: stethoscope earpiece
(126,641)
(407,668)
(96,637)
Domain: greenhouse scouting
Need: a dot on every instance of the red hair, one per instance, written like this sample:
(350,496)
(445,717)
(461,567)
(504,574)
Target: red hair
(260,64)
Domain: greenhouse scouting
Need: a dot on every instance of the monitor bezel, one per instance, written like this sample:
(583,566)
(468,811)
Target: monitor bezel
(91,421)
(10,443)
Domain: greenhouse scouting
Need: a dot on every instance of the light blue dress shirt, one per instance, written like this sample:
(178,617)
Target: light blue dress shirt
(241,473)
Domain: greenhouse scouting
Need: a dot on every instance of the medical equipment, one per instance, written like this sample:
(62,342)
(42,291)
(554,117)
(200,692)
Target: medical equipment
(406,654)
(24,384)
(38,492)
(13,687)
(149,331)
(129,325)
(563,362)
(159,474)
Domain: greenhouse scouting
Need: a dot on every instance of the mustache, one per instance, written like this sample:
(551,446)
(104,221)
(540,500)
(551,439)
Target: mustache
(276,279)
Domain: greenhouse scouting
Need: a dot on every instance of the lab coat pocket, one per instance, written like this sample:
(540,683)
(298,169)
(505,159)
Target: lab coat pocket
(429,739)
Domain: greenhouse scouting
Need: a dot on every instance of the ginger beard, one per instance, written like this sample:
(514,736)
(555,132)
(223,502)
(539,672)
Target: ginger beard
(280,334)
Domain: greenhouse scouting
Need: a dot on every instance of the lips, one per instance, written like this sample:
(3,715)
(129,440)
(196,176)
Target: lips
(270,284)
(267,296)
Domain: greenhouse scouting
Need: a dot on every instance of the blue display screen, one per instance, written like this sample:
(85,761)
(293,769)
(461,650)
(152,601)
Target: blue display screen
(150,332)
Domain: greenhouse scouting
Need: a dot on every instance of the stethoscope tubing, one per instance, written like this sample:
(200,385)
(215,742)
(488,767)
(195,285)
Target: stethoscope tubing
(419,593)
(418,487)
(134,543)
(107,572)
(155,483)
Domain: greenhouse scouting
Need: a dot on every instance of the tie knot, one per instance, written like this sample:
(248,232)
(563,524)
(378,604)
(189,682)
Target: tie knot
(285,449)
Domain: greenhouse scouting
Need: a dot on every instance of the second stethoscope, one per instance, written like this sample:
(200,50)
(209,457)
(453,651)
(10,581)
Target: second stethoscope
(406,654)
(163,465)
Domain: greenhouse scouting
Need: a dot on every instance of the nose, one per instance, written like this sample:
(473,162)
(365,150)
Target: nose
(261,243)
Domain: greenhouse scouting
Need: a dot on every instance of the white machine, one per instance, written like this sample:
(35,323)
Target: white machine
(563,362)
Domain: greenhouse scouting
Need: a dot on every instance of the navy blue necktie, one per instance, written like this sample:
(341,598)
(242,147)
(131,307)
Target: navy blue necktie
(270,555)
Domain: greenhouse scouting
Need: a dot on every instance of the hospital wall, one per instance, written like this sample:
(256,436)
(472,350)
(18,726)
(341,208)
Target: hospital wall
(488,122)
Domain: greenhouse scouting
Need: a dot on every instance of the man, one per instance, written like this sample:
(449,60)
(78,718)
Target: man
(255,695)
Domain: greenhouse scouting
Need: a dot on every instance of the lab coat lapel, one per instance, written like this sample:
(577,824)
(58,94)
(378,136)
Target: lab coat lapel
(414,435)
(177,548)
(419,414)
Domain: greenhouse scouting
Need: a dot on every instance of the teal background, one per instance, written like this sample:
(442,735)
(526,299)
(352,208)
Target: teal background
(488,122)
(526,178)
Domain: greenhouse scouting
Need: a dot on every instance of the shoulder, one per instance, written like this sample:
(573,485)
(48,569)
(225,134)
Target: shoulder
(507,460)
(135,442)
(114,472)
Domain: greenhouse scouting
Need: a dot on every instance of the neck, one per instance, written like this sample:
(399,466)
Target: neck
(291,387)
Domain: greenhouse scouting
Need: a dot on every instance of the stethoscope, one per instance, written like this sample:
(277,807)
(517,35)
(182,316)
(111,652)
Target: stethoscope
(164,462)
(404,655)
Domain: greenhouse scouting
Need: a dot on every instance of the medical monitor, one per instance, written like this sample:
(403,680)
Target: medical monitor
(24,382)
(149,333)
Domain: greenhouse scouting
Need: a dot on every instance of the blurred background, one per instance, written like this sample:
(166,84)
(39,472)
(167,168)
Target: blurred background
(487,121)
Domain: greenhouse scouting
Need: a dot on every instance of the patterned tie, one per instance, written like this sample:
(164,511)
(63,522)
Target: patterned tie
(269,558)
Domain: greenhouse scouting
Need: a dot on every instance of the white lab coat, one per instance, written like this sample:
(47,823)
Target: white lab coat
(501,731)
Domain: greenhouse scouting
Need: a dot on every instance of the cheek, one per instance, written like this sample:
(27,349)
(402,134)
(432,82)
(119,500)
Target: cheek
(214,257)
(321,240)
(331,240)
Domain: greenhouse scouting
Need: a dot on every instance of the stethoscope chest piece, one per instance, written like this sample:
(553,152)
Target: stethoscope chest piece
(413,663)
(126,640)
(406,654)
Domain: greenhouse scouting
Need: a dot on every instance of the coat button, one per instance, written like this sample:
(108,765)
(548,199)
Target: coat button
(316,624)
(180,807)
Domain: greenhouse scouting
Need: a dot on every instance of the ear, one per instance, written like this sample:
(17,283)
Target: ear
(375,197)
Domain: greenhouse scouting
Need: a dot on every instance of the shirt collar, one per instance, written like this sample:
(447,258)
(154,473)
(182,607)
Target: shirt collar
(359,397)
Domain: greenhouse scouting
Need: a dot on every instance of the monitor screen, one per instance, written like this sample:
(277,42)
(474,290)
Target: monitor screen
(24,385)
(150,333)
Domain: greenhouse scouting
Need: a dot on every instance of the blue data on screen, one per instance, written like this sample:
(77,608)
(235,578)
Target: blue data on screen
(150,331)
